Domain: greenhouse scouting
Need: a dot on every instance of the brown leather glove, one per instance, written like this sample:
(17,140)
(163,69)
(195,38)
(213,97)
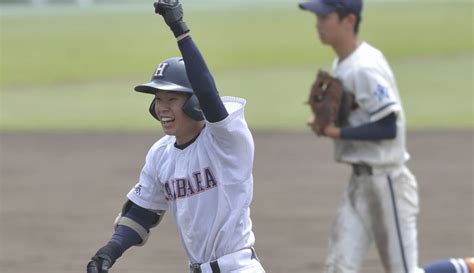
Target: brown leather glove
(329,102)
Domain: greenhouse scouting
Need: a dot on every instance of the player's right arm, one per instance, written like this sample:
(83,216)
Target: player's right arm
(132,227)
(143,210)
(198,73)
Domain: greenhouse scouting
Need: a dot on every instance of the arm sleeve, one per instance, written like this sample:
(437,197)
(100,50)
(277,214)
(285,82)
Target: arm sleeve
(385,128)
(202,81)
(125,237)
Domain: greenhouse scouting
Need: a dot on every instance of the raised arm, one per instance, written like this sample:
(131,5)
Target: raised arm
(196,68)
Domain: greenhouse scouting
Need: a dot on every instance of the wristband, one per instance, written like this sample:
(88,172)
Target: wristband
(179,28)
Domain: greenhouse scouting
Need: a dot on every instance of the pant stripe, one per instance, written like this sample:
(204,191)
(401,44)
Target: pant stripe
(455,265)
(397,223)
(463,265)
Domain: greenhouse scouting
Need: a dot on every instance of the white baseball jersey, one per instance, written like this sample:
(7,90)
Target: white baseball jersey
(367,75)
(207,186)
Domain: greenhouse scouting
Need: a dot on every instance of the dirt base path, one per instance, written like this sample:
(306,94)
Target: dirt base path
(61,192)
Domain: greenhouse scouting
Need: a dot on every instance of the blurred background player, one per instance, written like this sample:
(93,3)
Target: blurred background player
(380,203)
(201,171)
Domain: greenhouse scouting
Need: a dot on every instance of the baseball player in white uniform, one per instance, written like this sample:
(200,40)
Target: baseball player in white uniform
(200,172)
(380,204)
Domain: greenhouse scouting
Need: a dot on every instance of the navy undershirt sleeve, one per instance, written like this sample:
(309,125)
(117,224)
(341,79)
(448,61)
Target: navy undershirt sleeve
(125,237)
(202,81)
(385,128)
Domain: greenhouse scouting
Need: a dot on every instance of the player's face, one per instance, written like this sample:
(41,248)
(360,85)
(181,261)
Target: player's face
(330,28)
(173,120)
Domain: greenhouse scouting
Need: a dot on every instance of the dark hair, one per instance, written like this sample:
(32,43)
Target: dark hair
(343,14)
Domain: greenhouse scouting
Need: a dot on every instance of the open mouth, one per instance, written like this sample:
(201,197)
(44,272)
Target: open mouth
(166,120)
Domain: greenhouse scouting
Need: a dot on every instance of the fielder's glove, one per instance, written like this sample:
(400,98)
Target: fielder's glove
(329,102)
(104,259)
(172,12)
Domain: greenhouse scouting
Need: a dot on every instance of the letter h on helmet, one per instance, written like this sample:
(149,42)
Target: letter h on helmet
(170,75)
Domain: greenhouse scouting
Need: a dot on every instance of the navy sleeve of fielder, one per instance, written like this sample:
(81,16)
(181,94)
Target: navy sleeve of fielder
(202,81)
(385,128)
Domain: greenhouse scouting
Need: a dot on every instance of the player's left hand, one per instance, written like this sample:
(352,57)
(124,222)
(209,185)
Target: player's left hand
(172,12)
(332,131)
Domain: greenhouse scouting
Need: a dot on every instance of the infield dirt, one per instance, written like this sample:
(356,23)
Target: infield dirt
(60,194)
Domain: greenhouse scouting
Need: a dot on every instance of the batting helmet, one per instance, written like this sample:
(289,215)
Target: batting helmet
(170,75)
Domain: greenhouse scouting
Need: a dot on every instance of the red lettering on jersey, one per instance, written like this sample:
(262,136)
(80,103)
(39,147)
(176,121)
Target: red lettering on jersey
(210,180)
(186,187)
(198,181)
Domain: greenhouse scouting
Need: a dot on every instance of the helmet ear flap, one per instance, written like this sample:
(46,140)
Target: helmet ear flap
(192,108)
(152,109)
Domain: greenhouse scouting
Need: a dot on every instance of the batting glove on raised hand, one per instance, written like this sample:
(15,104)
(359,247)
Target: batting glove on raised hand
(103,259)
(172,12)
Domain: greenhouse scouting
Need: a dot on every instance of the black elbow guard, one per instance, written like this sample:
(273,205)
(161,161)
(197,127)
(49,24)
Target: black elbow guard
(148,219)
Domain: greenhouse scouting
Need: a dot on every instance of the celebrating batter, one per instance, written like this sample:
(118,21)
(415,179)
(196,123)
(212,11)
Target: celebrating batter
(201,171)
(380,203)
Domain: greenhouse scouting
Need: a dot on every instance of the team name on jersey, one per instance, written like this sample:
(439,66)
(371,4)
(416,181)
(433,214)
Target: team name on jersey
(184,187)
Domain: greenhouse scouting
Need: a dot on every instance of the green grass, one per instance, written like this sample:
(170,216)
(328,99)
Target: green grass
(438,92)
(434,96)
(76,70)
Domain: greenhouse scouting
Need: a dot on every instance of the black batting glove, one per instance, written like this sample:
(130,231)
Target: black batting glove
(104,259)
(172,13)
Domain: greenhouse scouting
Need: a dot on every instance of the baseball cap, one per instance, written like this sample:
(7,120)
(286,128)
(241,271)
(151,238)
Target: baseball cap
(323,7)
